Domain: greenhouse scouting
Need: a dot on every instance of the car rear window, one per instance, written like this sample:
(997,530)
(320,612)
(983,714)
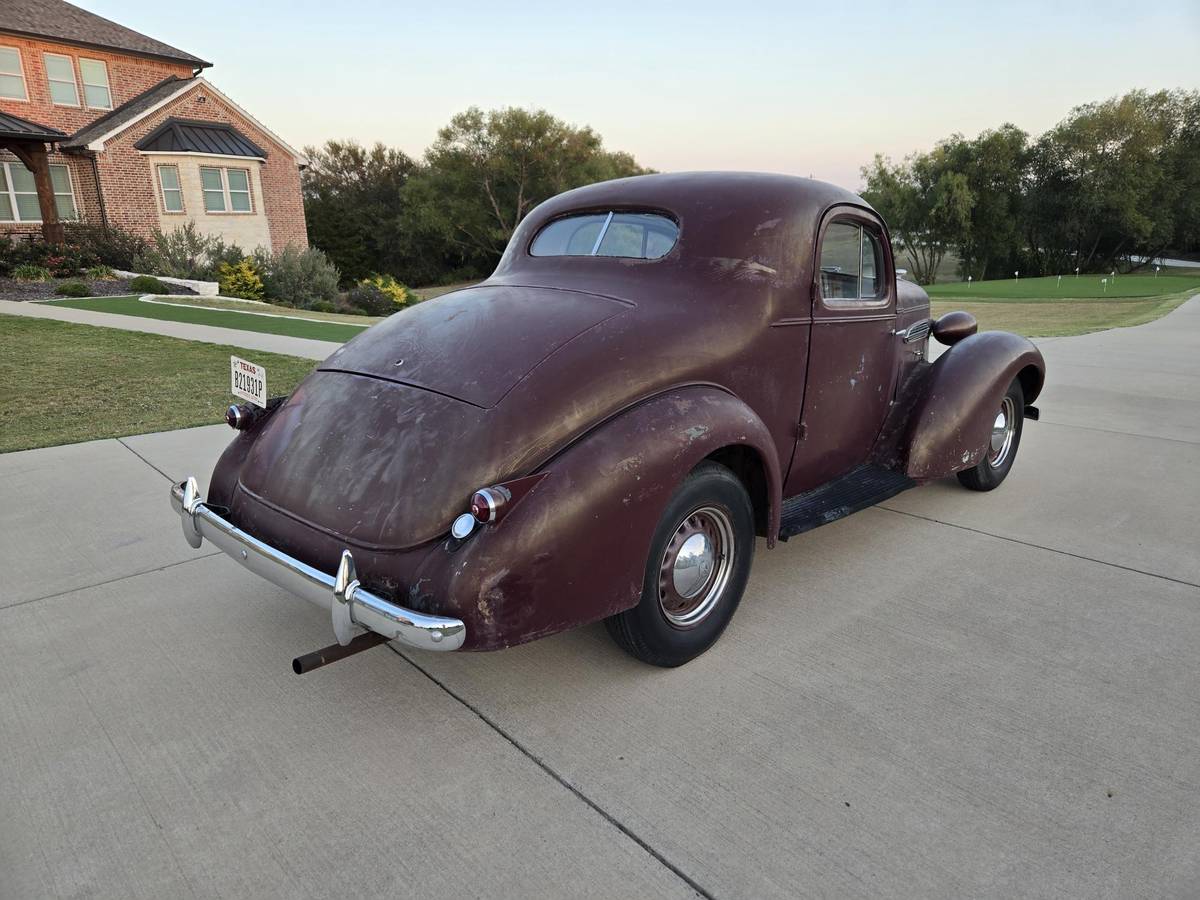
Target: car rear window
(635,235)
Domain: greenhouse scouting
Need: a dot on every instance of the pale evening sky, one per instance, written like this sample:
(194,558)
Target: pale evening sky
(788,87)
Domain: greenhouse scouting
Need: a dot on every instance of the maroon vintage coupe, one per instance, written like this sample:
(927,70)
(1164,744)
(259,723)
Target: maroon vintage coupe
(660,369)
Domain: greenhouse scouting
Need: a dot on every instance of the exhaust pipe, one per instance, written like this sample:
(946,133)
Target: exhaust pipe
(334,652)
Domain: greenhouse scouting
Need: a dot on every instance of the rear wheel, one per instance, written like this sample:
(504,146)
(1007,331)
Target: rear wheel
(1003,444)
(696,571)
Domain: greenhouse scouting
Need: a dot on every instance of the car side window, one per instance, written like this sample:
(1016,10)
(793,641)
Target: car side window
(851,263)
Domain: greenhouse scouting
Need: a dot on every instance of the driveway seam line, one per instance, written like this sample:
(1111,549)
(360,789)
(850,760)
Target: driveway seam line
(88,587)
(545,767)
(1137,434)
(1079,556)
(121,441)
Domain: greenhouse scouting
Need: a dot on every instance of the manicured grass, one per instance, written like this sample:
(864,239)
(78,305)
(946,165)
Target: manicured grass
(1041,319)
(290,326)
(1046,307)
(65,383)
(1050,289)
(244,306)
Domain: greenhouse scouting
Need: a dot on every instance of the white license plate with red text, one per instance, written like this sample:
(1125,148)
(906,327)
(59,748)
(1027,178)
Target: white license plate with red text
(249,381)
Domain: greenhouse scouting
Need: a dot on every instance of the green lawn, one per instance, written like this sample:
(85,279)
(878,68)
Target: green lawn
(65,383)
(1050,289)
(278,322)
(1046,307)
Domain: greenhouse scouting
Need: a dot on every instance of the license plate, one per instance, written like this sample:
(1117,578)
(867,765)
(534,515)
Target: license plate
(249,381)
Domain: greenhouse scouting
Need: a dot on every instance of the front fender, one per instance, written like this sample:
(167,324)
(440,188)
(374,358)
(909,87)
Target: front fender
(574,549)
(952,416)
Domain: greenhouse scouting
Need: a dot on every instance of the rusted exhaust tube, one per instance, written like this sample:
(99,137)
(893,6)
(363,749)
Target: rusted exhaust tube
(334,652)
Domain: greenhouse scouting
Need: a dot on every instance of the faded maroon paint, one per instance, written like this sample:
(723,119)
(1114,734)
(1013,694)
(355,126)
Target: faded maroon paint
(613,377)
(950,424)
(954,326)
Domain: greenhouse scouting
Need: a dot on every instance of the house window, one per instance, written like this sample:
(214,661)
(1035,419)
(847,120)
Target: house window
(172,194)
(225,190)
(12,76)
(61,74)
(18,194)
(96,93)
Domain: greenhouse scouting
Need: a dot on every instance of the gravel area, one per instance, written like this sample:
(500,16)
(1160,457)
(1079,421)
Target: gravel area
(47,290)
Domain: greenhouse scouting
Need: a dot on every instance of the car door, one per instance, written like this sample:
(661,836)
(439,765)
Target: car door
(852,348)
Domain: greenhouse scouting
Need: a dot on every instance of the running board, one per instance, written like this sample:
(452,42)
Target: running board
(856,490)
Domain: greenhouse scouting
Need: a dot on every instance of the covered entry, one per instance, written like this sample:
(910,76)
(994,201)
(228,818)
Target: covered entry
(31,143)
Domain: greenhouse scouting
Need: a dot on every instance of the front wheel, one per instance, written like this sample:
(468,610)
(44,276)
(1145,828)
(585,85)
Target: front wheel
(696,571)
(1003,444)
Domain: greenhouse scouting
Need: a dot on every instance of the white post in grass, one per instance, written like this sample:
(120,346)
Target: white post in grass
(1017,275)
(1058,283)
(1156,271)
(1104,281)
(968,282)
(1077,271)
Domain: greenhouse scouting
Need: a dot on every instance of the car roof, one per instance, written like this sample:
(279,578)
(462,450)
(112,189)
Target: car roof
(749,227)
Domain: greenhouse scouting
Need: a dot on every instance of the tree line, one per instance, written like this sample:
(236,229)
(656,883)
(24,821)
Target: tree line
(447,217)
(1113,186)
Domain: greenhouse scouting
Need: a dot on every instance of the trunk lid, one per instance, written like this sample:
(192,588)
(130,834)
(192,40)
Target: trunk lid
(473,344)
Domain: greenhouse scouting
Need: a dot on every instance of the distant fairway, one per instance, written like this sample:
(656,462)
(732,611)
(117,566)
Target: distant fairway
(1045,307)
(1085,287)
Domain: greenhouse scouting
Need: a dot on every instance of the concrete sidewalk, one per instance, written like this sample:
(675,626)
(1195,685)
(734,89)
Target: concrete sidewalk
(952,695)
(273,343)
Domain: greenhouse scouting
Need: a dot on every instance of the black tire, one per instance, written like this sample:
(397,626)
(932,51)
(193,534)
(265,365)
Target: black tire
(992,470)
(713,502)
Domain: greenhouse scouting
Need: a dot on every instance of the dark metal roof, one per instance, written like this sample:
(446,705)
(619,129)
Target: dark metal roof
(61,21)
(22,129)
(189,136)
(125,113)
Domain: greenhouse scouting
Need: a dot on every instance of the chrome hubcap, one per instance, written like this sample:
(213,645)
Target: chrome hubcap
(695,567)
(1003,430)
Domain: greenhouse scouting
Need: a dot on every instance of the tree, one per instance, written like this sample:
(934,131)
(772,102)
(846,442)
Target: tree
(926,204)
(487,170)
(994,165)
(1111,181)
(357,212)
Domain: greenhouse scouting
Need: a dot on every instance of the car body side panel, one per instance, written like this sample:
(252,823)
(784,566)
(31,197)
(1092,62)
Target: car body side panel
(957,400)
(574,549)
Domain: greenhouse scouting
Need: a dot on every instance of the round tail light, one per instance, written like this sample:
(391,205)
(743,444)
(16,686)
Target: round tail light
(488,504)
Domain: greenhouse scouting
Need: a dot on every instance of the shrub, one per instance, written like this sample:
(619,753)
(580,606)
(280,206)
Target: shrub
(73,289)
(109,245)
(99,273)
(324,306)
(148,284)
(220,252)
(66,261)
(240,280)
(400,294)
(182,253)
(371,300)
(296,277)
(31,272)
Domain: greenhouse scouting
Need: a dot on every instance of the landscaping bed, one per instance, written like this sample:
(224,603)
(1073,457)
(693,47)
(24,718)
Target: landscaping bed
(11,289)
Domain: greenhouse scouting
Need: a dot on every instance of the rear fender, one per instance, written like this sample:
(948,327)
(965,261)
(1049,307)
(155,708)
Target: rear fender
(574,549)
(952,417)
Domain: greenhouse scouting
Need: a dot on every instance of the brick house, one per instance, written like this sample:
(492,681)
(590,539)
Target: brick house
(101,124)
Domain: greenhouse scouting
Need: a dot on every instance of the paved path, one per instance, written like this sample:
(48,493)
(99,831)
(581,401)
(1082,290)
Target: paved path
(954,695)
(274,343)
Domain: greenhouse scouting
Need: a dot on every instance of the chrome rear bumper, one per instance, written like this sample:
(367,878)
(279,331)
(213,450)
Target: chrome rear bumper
(349,603)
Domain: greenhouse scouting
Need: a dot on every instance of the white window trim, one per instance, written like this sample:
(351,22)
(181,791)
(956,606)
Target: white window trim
(221,156)
(51,81)
(12,195)
(162,190)
(21,74)
(225,192)
(107,83)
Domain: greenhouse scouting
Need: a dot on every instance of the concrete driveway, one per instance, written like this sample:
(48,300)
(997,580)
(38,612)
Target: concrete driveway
(953,695)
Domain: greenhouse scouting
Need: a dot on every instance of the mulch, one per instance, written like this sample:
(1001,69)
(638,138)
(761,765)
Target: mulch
(47,290)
